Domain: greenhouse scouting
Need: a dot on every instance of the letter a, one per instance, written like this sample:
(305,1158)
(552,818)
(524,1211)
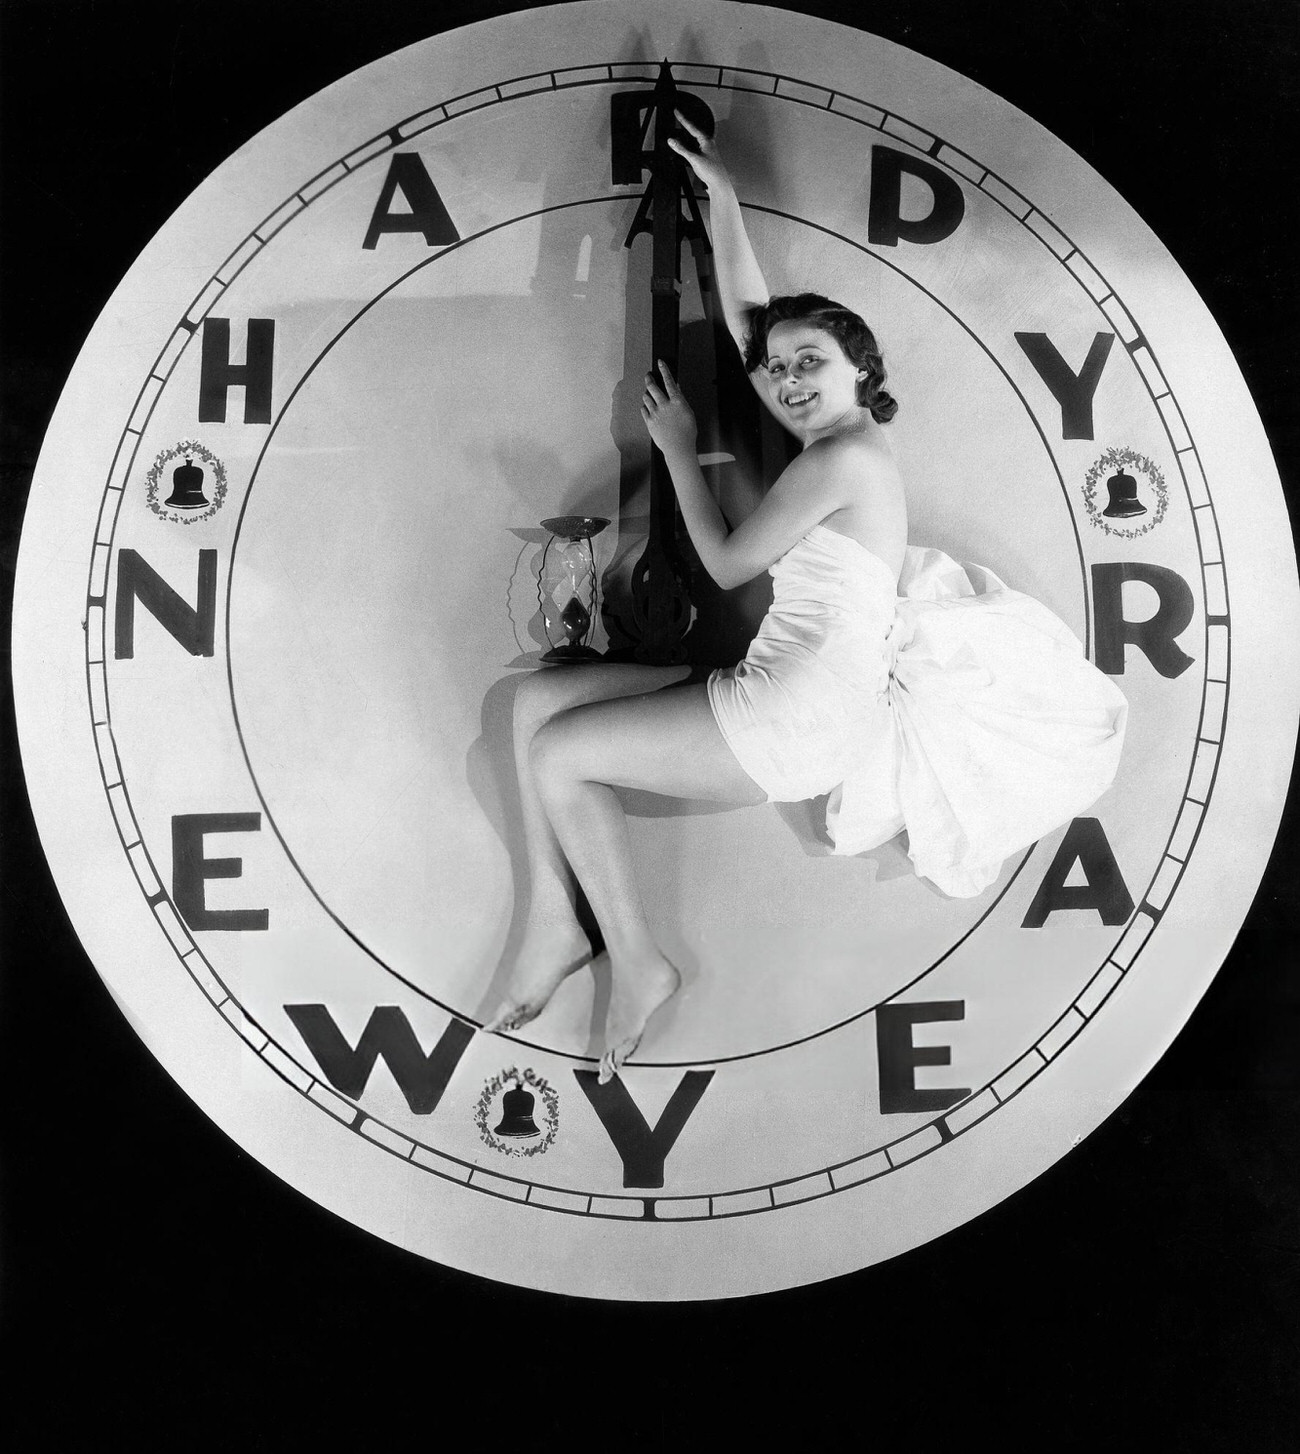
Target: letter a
(427,214)
(1085,843)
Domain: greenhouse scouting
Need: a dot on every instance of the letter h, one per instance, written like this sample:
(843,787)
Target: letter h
(217,373)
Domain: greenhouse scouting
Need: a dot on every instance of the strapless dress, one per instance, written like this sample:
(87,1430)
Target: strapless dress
(943,703)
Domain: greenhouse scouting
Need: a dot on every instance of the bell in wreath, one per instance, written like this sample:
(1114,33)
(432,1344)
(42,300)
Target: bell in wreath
(1123,497)
(517,1114)
(187,487)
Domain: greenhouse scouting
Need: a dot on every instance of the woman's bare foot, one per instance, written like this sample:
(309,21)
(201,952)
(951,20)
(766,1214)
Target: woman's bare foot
(638,990)
(547,957)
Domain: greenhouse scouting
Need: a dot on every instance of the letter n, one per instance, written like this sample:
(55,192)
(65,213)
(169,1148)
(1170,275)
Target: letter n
(193,626)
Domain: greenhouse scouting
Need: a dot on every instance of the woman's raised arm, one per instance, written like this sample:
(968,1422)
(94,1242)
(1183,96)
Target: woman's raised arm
(740,279)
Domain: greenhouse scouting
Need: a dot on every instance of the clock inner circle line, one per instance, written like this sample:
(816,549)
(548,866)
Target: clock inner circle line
(378,598)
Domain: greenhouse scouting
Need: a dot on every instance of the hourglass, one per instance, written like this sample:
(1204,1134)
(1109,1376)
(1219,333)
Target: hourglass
(566,587)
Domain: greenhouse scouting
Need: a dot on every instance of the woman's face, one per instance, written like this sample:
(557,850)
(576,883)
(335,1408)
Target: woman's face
(810,378)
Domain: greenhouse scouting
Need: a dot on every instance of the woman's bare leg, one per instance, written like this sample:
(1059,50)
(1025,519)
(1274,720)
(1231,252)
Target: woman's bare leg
(665,743)
(554,943)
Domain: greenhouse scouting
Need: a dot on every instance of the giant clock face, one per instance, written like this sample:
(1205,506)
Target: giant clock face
(278,589)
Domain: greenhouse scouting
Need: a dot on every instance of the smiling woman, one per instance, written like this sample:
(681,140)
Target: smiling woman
(920,695)
(826,331)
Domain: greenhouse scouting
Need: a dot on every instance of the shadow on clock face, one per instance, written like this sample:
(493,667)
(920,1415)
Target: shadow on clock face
(383,603)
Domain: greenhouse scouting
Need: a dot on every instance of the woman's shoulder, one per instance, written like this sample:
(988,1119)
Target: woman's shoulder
(860,458)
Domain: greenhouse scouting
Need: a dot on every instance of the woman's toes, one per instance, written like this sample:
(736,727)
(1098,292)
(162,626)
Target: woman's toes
(534,993)
(507,1019)
(613,1061)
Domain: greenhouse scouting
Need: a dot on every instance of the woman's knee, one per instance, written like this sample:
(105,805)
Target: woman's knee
(551,754)
(541,695)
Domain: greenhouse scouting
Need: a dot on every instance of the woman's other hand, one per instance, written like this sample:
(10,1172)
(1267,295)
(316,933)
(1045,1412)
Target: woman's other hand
(668,418)
(705,163)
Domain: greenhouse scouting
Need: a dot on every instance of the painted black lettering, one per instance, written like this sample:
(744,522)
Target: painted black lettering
(217,373)
(1073,392)
(421,1078)
(1154,636)
(1105,892)
(642,1150)
(629,124)
(407,174)
(191,870)
(193,626)
(898,1057)
(886,225)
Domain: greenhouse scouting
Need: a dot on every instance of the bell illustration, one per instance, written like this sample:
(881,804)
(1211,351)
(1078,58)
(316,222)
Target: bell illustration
(517,1114)
(187,487)
(1123,497)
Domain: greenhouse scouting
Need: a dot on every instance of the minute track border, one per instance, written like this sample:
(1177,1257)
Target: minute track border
(1202,774)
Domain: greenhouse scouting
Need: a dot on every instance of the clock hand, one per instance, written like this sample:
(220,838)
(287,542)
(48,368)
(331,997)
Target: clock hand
(660,599)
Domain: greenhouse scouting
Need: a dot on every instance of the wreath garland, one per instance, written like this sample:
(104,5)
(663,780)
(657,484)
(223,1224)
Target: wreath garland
(1118,458)
(185,448)
(549,1099)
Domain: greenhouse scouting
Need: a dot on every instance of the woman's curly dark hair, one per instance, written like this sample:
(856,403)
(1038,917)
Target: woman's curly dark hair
(851,333)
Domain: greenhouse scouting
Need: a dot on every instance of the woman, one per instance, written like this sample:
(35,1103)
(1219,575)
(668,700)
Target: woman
(977,730)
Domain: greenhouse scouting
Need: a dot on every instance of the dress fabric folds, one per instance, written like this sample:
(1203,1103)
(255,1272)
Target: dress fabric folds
(945,704)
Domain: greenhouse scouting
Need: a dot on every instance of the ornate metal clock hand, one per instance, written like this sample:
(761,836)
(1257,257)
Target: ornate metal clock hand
(660,600)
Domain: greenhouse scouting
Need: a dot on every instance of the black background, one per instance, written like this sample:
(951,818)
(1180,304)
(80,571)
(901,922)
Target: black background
(160,1287)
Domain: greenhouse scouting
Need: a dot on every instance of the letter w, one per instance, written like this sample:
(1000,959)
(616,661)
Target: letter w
(422,1078)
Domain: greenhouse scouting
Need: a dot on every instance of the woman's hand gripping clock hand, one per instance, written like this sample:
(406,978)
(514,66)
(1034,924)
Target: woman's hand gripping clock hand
(668,418)
(704,161)
(670,422)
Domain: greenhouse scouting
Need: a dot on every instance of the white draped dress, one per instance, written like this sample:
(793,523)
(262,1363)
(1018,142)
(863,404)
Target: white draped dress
(944,703)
